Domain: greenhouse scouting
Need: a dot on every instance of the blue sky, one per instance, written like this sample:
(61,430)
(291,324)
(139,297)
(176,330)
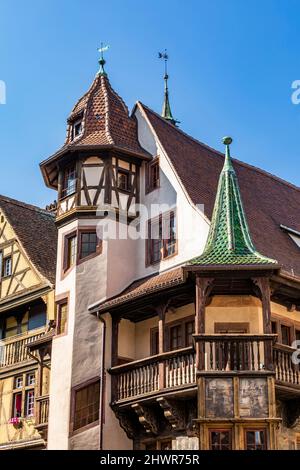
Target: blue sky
(231,67)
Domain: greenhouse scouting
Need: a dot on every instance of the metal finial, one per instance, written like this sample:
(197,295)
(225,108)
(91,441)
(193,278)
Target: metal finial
(227,140)
(102,61)
(227,164)
(166,111)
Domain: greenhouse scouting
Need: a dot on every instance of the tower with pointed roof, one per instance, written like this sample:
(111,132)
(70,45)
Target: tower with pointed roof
(97,176)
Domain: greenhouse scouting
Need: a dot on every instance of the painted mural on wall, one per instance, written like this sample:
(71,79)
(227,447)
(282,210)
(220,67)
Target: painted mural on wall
(219,398)
(253,398)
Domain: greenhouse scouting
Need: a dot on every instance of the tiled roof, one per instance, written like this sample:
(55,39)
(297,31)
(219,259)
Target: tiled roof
(229,240)
(105,120)
(268,201)
(145,286)
(36,230)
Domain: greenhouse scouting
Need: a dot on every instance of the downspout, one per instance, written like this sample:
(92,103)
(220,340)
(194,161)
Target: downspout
(102,375)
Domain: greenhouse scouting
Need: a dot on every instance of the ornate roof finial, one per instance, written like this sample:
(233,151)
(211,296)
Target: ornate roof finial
(166,110)
(102,61)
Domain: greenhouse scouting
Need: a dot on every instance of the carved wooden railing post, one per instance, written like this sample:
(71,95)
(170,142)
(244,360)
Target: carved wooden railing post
(263,284)
(161,312)
(203,289)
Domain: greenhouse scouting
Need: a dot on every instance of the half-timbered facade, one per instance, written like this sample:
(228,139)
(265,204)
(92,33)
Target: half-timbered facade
(27,276)
(177,329)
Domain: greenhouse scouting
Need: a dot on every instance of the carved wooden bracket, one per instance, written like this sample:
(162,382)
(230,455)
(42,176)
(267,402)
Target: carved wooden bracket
(173,411)
(147,418)
(126,423)
(292,413)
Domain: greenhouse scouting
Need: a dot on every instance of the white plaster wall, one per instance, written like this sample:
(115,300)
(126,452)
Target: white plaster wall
(192,225)
(62,359)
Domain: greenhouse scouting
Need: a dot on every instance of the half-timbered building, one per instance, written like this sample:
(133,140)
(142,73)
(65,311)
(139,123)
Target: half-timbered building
(27,276)
(178,330)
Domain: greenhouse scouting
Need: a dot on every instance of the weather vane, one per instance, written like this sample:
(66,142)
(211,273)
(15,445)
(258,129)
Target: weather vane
(102,61)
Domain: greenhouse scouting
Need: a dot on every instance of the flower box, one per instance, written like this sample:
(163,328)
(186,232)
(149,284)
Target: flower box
(16,422)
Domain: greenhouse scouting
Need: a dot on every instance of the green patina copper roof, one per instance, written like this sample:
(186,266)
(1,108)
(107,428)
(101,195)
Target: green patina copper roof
(229,241)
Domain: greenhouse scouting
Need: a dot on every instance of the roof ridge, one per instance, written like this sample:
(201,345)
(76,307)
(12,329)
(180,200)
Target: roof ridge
(107,110)
(239,162)
(25,205)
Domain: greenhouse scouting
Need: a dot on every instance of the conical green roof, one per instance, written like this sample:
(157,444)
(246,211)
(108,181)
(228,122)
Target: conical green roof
(229,241)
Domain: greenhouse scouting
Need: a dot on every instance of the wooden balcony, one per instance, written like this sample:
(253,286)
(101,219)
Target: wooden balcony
(152,375)
(219,354)
(14,350)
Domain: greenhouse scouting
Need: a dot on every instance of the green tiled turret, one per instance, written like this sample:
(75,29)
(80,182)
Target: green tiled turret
(229,241)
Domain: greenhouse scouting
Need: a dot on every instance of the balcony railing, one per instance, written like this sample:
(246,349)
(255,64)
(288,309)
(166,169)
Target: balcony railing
(287,371)
(221,354)
(235,352)
(150,375)
(13,350)
(42,411)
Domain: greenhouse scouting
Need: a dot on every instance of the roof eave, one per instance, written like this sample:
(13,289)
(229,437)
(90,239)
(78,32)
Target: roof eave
(232,267)
(57,156)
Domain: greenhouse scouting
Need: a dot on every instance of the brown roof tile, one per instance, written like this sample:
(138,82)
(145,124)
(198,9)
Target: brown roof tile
(106,120)
(145,286)
(36,230)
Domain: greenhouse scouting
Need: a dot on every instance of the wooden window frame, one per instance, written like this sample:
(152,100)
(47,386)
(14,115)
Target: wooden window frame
(99,245)
(149,168)
(24,392)
(63,299)
(230,325)
(180,322)
(160,220)
(290,333)
(282,321)
(127,173)
(255,429)
(74,390)
(4,259)
(64,190)
(66,267)
(219,430)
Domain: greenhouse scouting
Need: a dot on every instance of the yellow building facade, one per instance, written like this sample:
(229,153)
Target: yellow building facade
(27,251)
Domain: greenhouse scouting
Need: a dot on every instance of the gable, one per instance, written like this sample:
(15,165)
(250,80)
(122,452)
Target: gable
(23,276)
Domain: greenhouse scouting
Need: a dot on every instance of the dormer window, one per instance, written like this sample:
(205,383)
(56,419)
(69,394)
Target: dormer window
(69,181)
(294,234)
(76,128)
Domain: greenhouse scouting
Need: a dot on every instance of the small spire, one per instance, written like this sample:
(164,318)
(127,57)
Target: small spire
(166,109)
(227,164)
(102,61)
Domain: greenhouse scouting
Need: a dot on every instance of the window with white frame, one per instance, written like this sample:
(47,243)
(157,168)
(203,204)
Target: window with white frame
(7,266)
(23,395)
(76,128)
